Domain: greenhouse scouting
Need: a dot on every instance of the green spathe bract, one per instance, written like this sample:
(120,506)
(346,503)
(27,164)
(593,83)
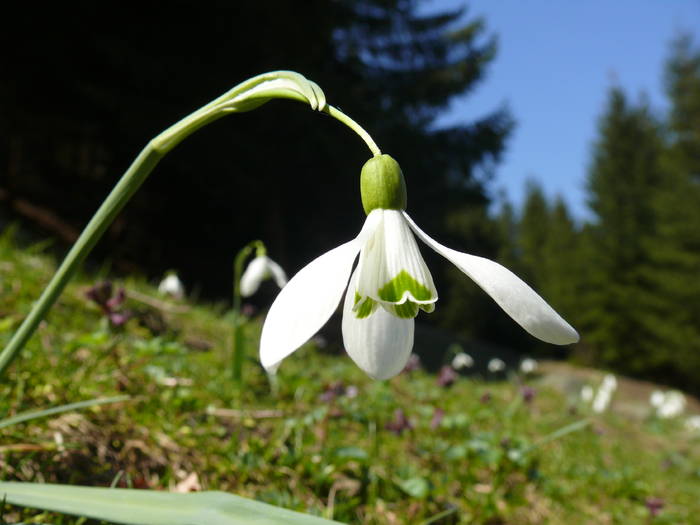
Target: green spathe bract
(382,184)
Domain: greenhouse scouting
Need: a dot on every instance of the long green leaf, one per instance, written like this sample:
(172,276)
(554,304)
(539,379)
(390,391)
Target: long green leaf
(145,507)
(35,414)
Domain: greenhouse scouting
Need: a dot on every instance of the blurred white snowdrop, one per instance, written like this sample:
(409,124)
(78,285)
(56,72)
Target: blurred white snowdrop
(496,365)
(587,393)
(603,396)
(601,400)
(462,360)
(528,365)
(656,399)
(667,404)
(172,286)
(259,269)
(245,284)
(692,423)
(609,383)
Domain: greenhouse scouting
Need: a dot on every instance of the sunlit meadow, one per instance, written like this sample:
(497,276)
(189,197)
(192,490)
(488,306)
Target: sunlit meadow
(470,447)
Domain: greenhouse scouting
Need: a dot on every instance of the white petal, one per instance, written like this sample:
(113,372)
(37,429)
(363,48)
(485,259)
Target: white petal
(309,299)
(379,344)
(277,273)
(172,286)
(518,300)
(496,365)
(253,275)
(391,255)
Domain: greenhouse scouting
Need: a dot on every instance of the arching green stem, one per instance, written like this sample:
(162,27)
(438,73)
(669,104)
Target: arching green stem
(342,117)
(244,97)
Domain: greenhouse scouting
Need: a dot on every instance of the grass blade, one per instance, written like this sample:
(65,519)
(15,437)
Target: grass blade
(145,507)
(35,414)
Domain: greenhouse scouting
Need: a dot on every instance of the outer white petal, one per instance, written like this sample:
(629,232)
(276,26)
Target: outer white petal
(253,275)
(277,273)
(309,299)
(379,344)
(518,300)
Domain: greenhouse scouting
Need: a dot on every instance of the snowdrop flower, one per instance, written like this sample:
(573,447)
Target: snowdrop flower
(673,405)
(656,399)
(462,360)
(528,365)
(172,286)
(693,423)
(603,396)
(609,383)
(259,269)
(667,404)
(587,393)
(389,286)
(601,400)
(496,365)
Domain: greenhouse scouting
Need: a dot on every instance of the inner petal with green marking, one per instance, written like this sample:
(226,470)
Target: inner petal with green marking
(404,286)
(364,306)
(392,272)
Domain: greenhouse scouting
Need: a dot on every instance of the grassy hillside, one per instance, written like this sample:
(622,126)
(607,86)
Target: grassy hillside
(326,439)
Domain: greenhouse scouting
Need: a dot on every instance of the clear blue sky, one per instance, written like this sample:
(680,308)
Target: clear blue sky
(557,60)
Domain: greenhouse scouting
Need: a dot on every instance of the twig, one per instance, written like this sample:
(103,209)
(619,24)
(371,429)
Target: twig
(240,414)
(157,303)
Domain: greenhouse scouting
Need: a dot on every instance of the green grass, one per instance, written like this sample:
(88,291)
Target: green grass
(305,447)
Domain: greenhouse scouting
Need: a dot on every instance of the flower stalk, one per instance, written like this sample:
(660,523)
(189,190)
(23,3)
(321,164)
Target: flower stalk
(237,350)
(246,96)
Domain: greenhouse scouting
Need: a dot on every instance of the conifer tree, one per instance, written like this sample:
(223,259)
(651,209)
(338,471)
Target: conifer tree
(508,248)
(561,283)
(676,248)
(534,223)
(683,88)
(620,296)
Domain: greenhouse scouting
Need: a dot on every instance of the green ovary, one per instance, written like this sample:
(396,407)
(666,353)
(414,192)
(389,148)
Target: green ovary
(393,291)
